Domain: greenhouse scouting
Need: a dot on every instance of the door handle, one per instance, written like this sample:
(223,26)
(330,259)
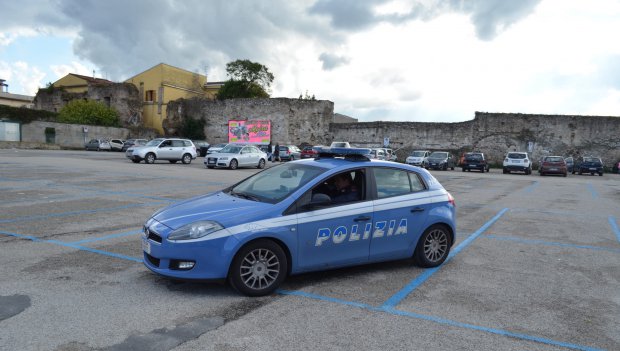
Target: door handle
(417,209)
(362,219)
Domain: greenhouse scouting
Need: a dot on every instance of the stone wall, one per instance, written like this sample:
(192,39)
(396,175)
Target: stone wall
(495,134)
(69,135)
(123,97)
(293,121)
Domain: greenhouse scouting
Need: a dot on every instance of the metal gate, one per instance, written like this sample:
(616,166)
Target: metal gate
(9,131)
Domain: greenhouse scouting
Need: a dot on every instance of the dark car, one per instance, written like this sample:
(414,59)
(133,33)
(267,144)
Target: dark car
(474,160)
(289,153)
(441,160)
(552,165)
(201,147)
(133,142)
(570,163)
(588,165)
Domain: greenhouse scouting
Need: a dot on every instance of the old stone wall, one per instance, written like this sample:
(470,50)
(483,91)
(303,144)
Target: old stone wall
(495,134)
(123,97)
(293,121)
(69,135)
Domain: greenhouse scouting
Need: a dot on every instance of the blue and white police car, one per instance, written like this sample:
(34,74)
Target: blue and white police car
(339,209)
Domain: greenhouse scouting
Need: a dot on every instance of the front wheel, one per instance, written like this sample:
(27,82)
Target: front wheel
(261,164)
(233,164)
(258,268)
(135,161)
(172,161)
(187,159)
(149,158)
(433,247)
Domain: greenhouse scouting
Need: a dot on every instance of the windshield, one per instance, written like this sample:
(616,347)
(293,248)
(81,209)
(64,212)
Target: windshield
(418,154)
(231,149)
(439,155)
(154,142)
(276,183)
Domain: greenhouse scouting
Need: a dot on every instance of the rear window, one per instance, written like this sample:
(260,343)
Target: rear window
(474,157)
(517,155)
(554,159)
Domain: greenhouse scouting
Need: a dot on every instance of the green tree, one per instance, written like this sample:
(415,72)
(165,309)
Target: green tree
(88,112)
(247,80)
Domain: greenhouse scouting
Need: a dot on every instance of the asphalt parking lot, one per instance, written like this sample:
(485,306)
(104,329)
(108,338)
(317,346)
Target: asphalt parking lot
(536,266)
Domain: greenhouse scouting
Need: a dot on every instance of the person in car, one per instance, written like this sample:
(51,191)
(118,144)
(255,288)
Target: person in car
(344,191)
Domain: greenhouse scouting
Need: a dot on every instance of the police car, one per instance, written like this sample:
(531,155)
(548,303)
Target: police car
(339,209)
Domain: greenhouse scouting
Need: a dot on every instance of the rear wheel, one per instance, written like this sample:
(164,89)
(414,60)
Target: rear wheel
(187,159)
(433,247)
(233,164)
(172,161)
(258,268)
(149,158)
(210,167)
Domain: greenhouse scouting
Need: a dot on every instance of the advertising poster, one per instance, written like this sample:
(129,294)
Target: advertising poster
(249,132)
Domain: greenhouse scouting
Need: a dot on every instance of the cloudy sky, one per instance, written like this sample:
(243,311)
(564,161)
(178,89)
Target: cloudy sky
(401,60)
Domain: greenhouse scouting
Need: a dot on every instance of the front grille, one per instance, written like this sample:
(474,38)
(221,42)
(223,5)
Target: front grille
(152,260)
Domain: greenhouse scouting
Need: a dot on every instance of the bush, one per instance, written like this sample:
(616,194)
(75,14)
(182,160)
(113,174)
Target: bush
(88,112)
(193,129)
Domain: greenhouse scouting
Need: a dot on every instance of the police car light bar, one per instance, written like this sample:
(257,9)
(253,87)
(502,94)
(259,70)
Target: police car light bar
(360,154)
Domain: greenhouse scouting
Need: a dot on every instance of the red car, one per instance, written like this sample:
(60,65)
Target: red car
(310,151)
(553,165)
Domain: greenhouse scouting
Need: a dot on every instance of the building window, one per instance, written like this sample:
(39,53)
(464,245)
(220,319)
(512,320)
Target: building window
(150,96)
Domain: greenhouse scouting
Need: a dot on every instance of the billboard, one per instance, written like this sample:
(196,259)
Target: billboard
(249,131)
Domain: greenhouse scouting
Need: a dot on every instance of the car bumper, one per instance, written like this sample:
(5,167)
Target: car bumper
(516,168)
(472,166)
(436,165)
(553,170)
(214,162)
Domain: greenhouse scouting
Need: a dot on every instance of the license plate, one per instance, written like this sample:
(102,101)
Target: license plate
(146,246)
(516,161)
(211,162)
(593,169)
(553,169)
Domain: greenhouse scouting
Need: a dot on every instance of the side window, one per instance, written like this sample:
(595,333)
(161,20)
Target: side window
(165,143)
(416,183)
(177,143)
(188,143)
(391,182)
(340,189)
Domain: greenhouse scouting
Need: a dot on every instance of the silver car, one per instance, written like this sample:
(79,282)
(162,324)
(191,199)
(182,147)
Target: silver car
(233,156)
(169,149)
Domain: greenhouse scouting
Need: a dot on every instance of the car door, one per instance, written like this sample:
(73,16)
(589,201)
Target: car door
(400,212)
(333,235)
(245,156)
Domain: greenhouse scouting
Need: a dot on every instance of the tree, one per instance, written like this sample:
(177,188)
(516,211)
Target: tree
(247,80)
(88,112)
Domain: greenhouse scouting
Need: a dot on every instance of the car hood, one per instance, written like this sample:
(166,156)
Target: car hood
(220,207)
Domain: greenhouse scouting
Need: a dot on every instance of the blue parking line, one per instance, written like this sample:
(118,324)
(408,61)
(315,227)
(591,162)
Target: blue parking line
(111,236)
(592,191)
(438,320)
(427,273)
(551,243)
(73,213)
(614,227)
(73,246)
(532,187)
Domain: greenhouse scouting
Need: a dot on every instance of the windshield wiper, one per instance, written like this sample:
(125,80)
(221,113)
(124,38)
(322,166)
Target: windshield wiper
(244,195)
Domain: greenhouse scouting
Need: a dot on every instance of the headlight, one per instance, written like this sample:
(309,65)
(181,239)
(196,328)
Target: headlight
(195,230)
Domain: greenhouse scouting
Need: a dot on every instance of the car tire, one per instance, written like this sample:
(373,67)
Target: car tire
(600,174)
(149,158)
(233,164)
(565,175)
(135,161)
(172,161)
(452,168)
(433,246)
(258,268)
(187,159)
(210,167)
(261,164)
(542,174)
(463,169)
(292,158)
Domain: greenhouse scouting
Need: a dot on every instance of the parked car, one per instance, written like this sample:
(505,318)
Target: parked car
(289,153)
(441,160)
(390,155)
(98,145)
(244,234)
(590,165)
(378,154)
(570,163)
(517,162)
(170,149)
(234,155)
(216,148)
(552,165)
(133,142)
(201,147)
(310,151)
(418,158)
(116,144)
(475,160)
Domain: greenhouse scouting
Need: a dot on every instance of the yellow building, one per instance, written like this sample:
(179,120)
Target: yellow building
(163,83)
(76,83)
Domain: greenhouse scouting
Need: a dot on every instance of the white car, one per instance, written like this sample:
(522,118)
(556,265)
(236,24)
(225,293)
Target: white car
(116,144)
(234,156)
(340,144)
(213,149)
(169,149)
(418,158)
(517,162)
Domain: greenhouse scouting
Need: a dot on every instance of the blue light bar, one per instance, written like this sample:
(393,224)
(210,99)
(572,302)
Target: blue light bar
(347,152)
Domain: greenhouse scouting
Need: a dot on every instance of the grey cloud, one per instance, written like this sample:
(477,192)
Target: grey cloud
(331,61)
